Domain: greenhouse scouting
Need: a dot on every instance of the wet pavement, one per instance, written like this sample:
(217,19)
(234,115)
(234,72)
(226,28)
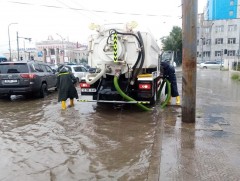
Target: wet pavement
(41,142)
(210,148)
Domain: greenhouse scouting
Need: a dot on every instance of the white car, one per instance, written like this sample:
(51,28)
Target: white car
(211,65)
(78,71)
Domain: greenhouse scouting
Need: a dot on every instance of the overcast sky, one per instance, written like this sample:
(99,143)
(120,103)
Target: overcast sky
(37,19)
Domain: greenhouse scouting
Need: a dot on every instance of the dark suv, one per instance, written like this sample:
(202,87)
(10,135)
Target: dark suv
(26,78)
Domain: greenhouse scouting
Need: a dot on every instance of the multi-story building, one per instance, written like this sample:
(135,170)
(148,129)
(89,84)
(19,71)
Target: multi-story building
(52,51)
(222,9)
(58,52)
(218,33)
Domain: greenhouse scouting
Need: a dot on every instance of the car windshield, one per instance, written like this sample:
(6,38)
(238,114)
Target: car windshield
(13,68)
(79,69)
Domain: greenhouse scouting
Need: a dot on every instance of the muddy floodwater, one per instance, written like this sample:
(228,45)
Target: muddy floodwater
(41,142)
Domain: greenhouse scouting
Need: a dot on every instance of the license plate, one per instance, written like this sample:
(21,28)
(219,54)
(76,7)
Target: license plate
(88,90)
(10,81)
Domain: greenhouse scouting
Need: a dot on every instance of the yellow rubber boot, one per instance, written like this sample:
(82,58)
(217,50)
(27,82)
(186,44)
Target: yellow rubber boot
(71,103)
(64,105)
(178,102)
(169,102)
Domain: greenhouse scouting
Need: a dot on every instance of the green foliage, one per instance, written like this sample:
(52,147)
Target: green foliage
(174,42)
(235,76)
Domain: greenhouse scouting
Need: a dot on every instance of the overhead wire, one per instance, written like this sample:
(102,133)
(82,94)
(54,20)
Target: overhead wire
(90,11)
(68,7)
(87,10)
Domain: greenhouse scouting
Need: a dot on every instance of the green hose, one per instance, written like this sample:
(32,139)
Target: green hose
(126,96)
(163,105)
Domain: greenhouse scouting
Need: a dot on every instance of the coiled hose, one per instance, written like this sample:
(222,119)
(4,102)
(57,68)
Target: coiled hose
(168,84)
(115,81)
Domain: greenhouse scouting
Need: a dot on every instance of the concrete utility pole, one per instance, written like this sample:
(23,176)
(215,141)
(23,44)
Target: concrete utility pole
(189,36)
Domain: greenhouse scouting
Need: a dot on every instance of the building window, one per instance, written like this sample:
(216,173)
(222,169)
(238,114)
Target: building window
(231,53)
(232,28)
(203,41)
(231,2)
(230,13)
(218,41)
(219,28)
(52,51)
(208,42)
(206,54)
(207,30)
(218,53)
(231,40)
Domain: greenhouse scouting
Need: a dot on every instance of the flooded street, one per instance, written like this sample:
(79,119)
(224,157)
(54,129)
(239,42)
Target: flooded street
(41,142)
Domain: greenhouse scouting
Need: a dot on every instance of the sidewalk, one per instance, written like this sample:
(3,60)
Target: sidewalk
(210,148)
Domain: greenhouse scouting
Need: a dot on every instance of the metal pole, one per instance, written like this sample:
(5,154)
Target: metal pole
(9,42)
(211,42)
(63,46)
(189,38)
(29,39)
(17,46)
(238,50)
(203,39)
(221,59)
(24,50)
(202,50)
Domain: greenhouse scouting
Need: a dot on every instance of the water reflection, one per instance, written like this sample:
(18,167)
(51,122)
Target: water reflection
(39,141)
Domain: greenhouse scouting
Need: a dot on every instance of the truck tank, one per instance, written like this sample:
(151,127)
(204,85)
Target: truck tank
(118,48)
(125,66)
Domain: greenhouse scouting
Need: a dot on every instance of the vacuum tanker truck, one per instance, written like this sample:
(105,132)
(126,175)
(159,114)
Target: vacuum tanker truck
(125,66)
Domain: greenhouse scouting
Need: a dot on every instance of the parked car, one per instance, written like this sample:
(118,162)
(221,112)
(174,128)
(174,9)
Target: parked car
(211,65)
(54,67)
(87,66)
(3,59)
(78,71)
(26,78)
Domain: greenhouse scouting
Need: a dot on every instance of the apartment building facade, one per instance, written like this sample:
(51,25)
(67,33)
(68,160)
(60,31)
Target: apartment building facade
(218,33)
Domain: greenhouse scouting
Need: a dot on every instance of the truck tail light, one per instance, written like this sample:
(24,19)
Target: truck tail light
(146,86)
(28,76)
(84,85)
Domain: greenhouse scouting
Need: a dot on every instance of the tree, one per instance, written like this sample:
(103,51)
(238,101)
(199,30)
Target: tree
(174,42)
